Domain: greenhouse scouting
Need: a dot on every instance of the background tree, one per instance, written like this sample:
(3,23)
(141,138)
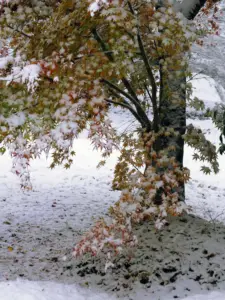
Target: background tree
(66,63)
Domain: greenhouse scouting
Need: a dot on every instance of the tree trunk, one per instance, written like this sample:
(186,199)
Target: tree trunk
(173,115)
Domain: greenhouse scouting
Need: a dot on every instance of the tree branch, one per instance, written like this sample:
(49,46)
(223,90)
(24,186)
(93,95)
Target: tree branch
(149,72)
(102,44)
(145,122)
(132,96)
(126,105)
(161,88)
(152,81)
(148,92)
(116,88)
(132,110)
(137,103)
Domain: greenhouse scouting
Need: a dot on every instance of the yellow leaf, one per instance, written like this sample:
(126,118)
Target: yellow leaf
(10,249)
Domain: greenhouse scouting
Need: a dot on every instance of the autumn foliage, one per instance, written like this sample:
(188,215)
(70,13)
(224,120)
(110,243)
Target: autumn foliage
(65,64)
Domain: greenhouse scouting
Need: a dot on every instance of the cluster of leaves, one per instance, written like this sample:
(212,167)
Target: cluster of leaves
(206,151)
(65,62)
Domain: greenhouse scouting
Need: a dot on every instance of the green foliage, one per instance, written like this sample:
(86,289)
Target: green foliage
(206,151)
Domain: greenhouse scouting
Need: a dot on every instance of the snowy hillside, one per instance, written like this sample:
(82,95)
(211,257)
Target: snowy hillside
(209,59)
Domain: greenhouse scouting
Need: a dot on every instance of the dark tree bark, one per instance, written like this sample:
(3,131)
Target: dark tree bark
(174,115)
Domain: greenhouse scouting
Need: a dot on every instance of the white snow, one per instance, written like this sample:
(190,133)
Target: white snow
(205,88)
(28,74)
(26,290)
(95,5)
(210,296)
(4,61)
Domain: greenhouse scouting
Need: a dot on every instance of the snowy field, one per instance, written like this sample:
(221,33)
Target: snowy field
(39,229)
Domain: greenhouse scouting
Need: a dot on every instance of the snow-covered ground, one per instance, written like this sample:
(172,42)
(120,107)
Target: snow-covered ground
(39,228)
(25,290)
